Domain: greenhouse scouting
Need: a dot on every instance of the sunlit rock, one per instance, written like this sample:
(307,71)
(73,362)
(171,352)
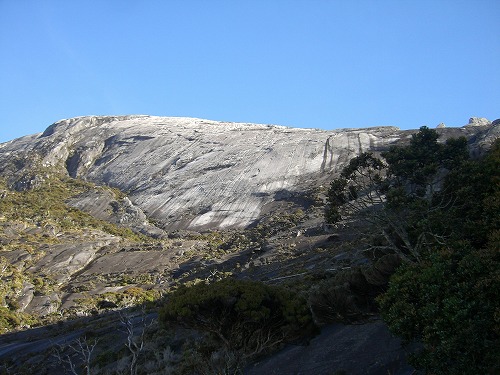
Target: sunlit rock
(187,173)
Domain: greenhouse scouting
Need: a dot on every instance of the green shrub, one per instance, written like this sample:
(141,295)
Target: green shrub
(46,204)
(450,304)
(246,316)
(10,320)
(350,294)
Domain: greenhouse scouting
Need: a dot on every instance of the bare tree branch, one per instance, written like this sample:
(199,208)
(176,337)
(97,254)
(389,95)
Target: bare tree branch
(135,342)
(79,348)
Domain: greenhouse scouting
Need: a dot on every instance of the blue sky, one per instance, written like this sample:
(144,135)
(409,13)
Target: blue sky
(311,63)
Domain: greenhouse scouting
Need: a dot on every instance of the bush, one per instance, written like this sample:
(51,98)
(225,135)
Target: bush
(8,320)
(350,294)
(45,204)
(450,304)
(246,316)
(449,301)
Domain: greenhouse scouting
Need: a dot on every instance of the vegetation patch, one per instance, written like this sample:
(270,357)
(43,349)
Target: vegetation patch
(244,316)
(438,210)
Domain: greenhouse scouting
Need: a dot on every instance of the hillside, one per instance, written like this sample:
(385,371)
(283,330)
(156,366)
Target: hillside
(198,174)
(100,214)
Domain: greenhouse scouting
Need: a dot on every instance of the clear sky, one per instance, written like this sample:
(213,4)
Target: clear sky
(302,63)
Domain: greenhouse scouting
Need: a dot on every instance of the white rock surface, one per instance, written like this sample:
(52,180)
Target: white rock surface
(191,173)
(188,173)
(478,121)
(65,259)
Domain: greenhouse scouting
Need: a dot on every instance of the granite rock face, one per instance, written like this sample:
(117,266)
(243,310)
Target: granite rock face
(187,173)
(478,121)
(103,205)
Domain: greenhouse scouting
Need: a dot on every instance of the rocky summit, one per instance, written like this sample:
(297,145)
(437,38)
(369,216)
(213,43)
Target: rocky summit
(187,173)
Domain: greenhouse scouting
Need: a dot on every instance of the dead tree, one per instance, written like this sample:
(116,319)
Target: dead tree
(81,349)
(134,342)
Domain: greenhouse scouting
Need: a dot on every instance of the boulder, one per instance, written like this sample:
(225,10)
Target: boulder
(478,121)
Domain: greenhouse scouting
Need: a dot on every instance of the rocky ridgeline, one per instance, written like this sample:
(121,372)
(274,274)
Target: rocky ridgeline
(187,173)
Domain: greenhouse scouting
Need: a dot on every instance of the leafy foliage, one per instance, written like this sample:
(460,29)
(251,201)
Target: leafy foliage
(246,316)
(440,211)
(474,189)
(31,220)
(360,186)
(449,301)
(399,195)
(349,295)
(45,205)
(11,284)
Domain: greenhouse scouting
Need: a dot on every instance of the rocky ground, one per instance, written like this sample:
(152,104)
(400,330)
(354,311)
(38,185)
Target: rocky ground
(287,247)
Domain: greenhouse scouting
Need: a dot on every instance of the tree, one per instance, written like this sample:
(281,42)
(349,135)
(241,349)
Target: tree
(440,211)
(415,165)
(246,316)
(474,190)
(359,187)
(135,342)
(79,348)
(398,195)
(449,301)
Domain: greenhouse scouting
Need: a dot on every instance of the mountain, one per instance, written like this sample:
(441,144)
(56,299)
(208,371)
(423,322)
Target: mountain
(186,173)
(101,213)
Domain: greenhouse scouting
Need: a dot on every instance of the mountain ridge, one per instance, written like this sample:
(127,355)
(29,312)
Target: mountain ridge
(188,173)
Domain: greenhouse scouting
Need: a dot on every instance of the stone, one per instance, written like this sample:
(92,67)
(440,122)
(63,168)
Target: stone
(182,176)
(103,205)
(63,260)
(44,305)
(194,174)
(478,121)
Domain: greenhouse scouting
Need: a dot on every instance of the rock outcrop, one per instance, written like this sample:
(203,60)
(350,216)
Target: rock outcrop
(478,121)
(103,205)
(187,173)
